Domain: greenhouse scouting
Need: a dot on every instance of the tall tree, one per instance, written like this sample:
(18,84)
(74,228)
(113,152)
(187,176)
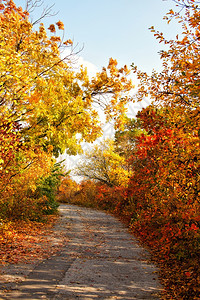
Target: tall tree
(39,89)
(44,103)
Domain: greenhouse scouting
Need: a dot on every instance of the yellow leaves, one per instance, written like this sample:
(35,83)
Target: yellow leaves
(112,66)
(34,164)
(112,63)
(102,163)
(115,85)
(42,30)
(82,75)
(117,173)
(54,102)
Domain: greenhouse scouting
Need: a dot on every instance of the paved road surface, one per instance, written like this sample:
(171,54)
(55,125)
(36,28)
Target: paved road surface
(101,261)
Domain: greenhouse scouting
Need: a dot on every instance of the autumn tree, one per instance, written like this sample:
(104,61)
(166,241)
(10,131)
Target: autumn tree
(178,83)
(40,90)
(126,139)
(165,185)
(175,93)
(104,164)
(44,102)
(161,199)
(67,189)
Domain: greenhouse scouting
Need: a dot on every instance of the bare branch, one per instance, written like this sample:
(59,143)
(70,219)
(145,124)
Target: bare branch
(47,12)
(31,5)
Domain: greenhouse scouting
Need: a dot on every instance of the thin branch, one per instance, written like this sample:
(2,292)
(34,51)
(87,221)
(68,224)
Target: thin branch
(15,174)
(31,5)
(176,94)
(45,14)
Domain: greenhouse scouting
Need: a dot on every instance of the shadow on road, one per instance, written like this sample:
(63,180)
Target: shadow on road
(101,261)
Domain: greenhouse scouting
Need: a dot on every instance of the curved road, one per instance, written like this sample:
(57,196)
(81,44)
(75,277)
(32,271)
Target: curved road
(101,261)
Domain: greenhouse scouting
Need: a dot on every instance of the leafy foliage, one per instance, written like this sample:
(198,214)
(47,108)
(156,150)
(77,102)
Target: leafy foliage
(161,202)
(105,165)
(149,175)
(44,105)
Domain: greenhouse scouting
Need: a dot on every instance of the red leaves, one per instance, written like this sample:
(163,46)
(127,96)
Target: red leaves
(188,274)
(161,204)
(192,227)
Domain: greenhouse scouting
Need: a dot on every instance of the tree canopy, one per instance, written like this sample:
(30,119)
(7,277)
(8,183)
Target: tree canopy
(104,164)
(46,106)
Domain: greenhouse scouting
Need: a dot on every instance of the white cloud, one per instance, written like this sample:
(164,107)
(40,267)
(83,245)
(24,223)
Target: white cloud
(76,61)
(91,68)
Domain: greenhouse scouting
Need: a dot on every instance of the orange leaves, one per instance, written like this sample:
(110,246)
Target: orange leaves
(2,6)
(60,25)
(177,84)
(52,28)
(34,98)
(55,39)
(68,42)
(26,241)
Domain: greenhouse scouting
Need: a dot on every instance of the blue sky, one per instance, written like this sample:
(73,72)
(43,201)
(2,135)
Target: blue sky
(114,28)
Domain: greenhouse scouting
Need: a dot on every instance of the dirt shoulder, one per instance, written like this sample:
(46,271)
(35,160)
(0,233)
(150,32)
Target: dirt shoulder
(100,259)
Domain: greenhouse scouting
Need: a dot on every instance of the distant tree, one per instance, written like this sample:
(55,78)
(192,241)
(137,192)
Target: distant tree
(104,164)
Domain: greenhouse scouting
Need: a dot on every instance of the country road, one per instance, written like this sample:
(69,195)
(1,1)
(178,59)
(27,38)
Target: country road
(100,261)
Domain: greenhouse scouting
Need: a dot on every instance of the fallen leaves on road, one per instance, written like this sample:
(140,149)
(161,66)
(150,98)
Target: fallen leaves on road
(27,241)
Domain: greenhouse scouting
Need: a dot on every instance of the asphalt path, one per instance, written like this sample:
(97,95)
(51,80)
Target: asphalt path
(101,260)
